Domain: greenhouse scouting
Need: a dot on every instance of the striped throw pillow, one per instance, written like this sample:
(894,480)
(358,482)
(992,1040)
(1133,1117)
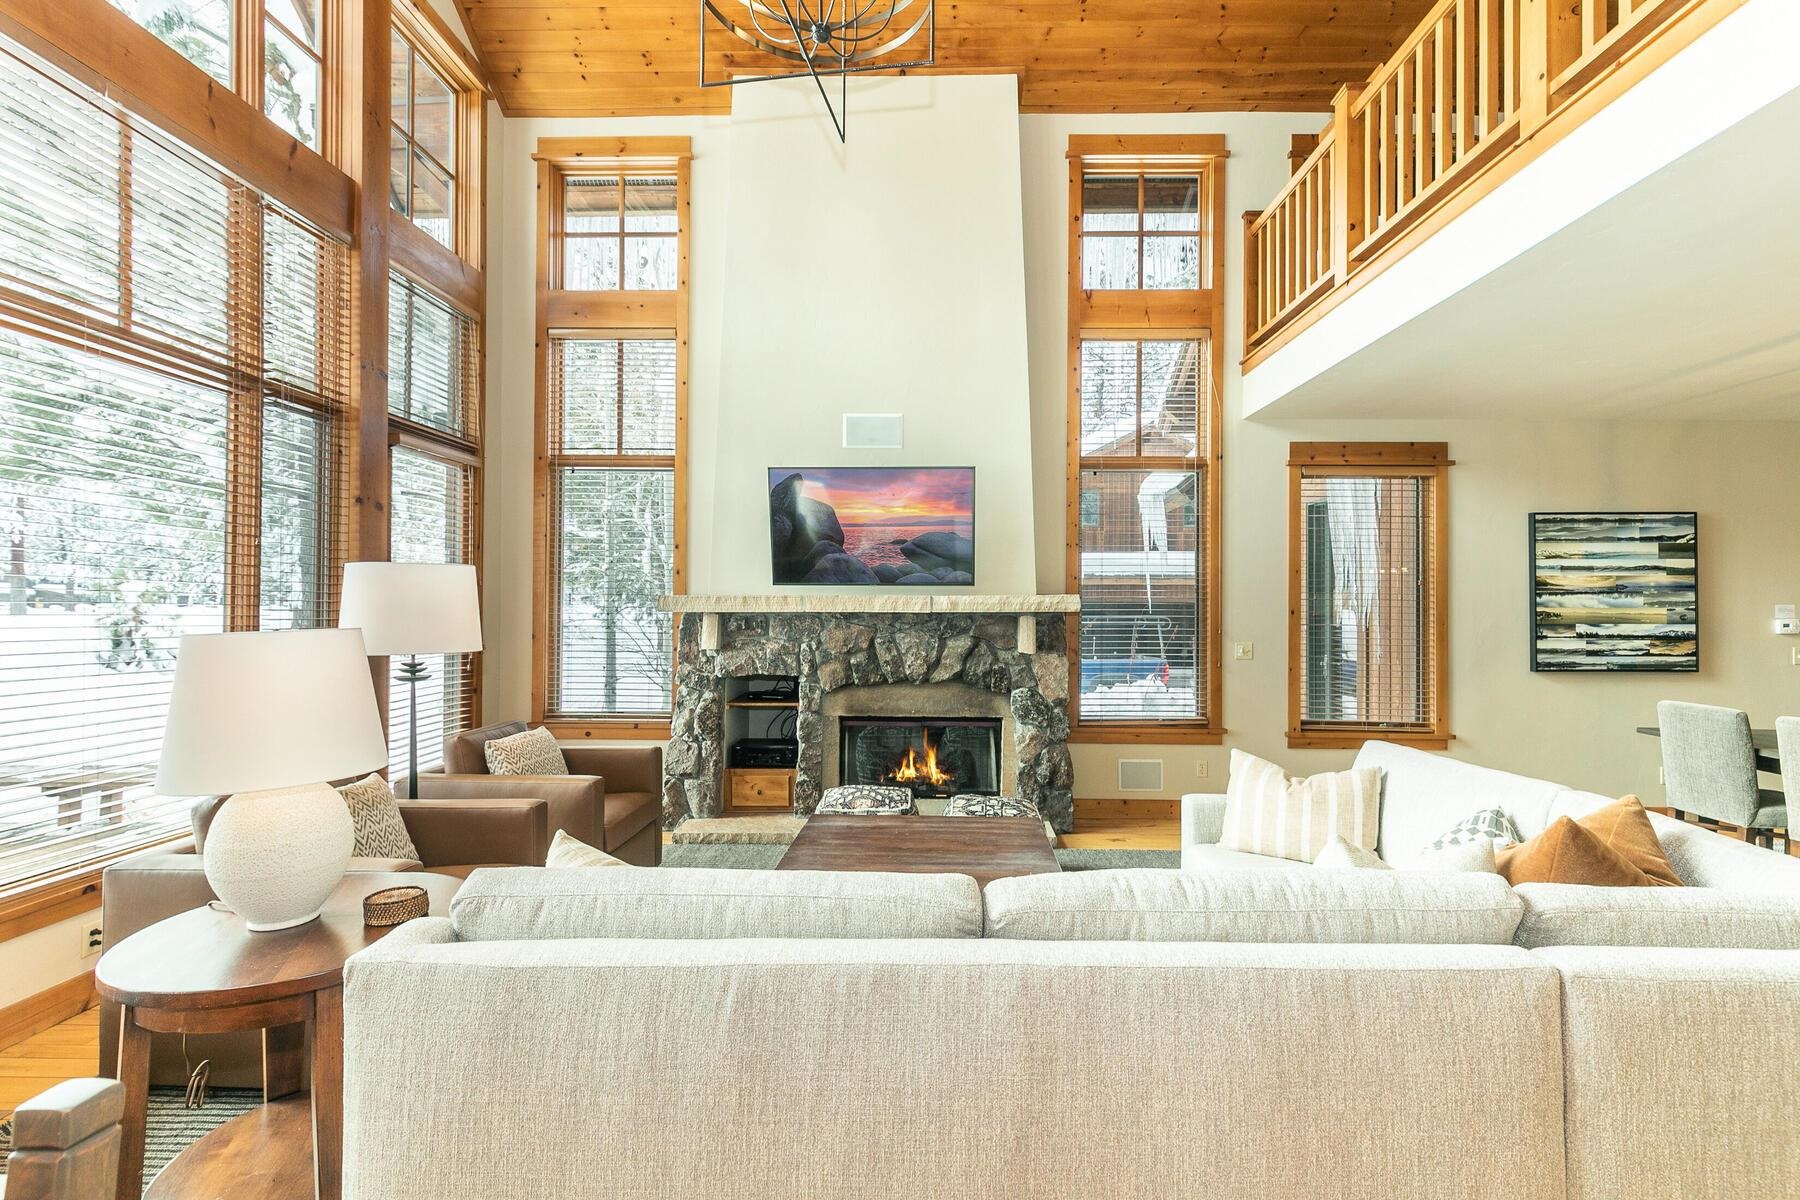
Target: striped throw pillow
(1268,811)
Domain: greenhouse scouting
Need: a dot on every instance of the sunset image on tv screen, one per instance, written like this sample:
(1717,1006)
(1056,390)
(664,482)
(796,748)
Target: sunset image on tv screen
(873,526)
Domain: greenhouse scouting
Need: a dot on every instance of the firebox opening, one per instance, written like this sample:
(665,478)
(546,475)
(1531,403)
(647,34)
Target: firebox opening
(933,756)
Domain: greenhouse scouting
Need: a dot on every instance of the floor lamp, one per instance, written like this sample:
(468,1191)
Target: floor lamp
(409,609)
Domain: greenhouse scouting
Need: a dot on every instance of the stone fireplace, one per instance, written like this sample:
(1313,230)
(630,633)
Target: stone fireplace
(977,680)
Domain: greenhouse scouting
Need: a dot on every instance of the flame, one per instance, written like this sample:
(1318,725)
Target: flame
(914,769)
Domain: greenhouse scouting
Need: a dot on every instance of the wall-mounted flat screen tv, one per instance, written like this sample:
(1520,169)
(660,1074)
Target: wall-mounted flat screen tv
(873,526)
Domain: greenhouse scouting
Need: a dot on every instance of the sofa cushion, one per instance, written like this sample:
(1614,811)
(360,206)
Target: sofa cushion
(1702,858)
(1268,811)
(1568,852)
(1254,906)
(674,902)
(625,814)
(1206,856)
(1562,914)
(533,752)
(1423,794)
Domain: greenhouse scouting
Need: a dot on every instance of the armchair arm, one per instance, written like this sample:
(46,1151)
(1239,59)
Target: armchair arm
(625,768)
(574,801)
(461,831)
(1202,819)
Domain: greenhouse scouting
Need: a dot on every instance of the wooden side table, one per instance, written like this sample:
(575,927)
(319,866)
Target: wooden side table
(201,971)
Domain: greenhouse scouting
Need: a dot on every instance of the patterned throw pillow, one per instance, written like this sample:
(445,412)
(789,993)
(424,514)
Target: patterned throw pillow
(990,806)
(1268,811)
(533,752)
(1490,824)
(566,851)
(380,833)
(863,799)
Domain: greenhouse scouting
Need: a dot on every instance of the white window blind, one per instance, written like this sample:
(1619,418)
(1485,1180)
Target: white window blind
(172,378)
(1142,518)
(1367,587)
(613,531)
(432,361)
(431,506)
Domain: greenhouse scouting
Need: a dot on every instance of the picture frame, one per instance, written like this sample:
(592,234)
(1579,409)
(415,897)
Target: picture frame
(1614,591)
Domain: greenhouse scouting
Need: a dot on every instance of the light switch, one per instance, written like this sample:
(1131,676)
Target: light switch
(1243,650)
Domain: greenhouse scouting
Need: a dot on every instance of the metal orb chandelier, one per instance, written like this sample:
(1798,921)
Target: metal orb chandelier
(820,39)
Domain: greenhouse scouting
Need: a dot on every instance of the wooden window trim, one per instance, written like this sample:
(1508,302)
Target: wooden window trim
(1429,460)
(1148,314)
(564,312)
(35,904)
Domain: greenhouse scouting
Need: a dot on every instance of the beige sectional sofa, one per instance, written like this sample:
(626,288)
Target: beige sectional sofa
(687,1033)
(1737,895)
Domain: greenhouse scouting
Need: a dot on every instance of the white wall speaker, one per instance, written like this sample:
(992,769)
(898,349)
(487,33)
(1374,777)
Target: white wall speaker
(1140,774)
(871,431)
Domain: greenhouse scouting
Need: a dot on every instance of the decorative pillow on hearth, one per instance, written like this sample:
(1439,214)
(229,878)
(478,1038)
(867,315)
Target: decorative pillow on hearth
(866,800)
(375,815)
(1268,811)
(533,752)
(990,806)
(1490,824)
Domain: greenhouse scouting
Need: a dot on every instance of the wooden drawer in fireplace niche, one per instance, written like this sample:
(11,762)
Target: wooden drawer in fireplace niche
(759,788)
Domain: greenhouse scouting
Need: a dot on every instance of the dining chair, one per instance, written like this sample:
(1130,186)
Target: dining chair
(1709,769)
(1787,746)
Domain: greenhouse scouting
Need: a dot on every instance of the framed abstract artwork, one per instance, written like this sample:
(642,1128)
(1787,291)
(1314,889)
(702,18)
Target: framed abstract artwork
(1615,591)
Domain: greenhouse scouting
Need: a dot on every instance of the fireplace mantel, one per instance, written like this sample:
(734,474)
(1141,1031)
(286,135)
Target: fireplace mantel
(1026,608)
(879,602)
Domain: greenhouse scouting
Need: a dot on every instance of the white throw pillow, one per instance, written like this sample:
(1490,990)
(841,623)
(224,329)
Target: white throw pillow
(566,851)
(375,815)
(533,752)
(1268,811)
(1476,856)
(1339,853)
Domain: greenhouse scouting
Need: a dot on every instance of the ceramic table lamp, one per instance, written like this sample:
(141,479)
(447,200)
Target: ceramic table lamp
(409,609)
(268,718)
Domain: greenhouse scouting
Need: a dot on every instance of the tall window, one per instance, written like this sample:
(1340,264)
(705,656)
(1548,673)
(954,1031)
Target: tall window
(423,173)
(612,319)
(173,383)
(285,36)
(1143,444)
(434,481)
(1368,587)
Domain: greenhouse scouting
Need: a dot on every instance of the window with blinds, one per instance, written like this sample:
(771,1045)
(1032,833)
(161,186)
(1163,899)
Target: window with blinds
(612,554)
(1142,518)
(432,509)
(432,365)
(1368,592)
(173,378)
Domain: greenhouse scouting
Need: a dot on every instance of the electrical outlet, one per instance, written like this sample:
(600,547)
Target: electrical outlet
(1202,769)
(1794,656)
(90,940)
(1243,650)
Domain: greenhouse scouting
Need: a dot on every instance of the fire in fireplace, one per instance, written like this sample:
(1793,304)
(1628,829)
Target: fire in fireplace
(932,756)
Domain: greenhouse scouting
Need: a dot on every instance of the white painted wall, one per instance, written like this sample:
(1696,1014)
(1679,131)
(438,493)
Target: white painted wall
(1736,475)
(43,958)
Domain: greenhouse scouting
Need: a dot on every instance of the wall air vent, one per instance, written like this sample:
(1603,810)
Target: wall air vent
(1140,774)
(871,431)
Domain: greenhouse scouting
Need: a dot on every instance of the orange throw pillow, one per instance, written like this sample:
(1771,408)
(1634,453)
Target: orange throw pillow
(1625,828)
(1568,853)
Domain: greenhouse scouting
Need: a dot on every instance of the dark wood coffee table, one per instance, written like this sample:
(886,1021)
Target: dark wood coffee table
(201,971)
(987,848)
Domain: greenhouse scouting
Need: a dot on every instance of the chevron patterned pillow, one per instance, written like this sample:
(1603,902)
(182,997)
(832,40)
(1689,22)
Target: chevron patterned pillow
(1490,823)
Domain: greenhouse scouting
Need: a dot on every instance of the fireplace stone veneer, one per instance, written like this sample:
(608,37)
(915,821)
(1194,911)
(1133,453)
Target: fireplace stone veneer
(829,651)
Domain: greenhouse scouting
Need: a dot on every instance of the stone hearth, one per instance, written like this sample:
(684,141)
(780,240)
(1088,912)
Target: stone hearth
(833,650)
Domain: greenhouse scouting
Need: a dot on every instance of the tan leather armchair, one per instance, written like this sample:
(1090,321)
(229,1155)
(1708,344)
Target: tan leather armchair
(453,834)
(623,785)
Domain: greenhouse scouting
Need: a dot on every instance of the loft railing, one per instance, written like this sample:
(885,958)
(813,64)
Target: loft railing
(1473,82)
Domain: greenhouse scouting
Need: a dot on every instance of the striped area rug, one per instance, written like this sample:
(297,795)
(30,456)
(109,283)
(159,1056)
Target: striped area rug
(171,1127)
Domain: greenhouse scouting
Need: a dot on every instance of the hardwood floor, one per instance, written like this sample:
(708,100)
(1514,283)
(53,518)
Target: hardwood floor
(65,1051)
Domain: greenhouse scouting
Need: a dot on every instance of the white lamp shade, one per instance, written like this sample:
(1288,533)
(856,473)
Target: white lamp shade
(254,711)
(412,608)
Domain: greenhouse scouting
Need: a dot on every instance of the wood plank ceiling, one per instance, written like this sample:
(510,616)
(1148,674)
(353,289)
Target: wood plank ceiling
(637,57)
